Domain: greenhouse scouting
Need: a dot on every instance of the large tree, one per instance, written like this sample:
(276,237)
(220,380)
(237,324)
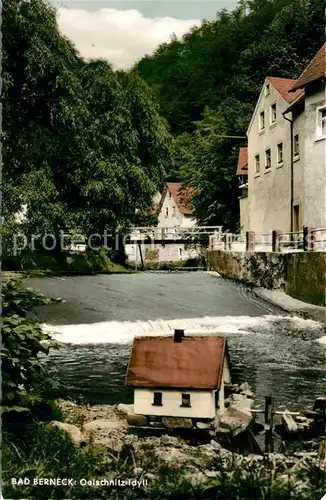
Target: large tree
(85,147)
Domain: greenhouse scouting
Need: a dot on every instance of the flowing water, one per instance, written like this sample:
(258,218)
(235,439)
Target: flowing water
(277,354)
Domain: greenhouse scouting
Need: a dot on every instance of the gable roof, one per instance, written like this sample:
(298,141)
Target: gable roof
(315,70)
(283,86)
(181,195)
(196,362)
(243,162)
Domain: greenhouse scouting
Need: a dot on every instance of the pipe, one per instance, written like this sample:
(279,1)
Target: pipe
(291,170)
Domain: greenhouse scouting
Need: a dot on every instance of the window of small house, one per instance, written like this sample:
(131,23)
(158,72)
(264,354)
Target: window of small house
(273,114)
(296,145)
(185,400)
(262,121)
(268,158)
(157,401)
(257,164)
(267,89)
(173,212)
(166,212)
(280,153)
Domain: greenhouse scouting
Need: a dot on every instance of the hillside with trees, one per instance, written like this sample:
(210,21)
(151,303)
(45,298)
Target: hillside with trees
(84,147)
(208,83)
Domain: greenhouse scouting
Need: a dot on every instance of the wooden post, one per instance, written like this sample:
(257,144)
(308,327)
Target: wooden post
(225,241)
(311,240)
(276,241)
(250,241)
(305,238)
(268,425)
(141,255)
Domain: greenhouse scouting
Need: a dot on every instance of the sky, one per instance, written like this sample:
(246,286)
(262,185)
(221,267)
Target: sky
(124,31)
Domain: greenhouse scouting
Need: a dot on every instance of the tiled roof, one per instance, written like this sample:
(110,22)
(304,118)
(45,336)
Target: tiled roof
(243,162)
(283,86)
(315,70)
(196,362)
(182,196)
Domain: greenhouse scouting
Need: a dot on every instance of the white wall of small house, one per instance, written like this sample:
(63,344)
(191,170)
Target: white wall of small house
(202,403)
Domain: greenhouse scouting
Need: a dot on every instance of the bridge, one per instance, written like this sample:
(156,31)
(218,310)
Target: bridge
(170,235)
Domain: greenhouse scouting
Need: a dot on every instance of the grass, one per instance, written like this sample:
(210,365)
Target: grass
(41,451)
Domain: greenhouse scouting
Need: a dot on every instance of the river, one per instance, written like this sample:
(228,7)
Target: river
(276,353)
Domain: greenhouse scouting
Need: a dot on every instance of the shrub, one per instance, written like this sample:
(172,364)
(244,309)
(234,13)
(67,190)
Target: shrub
(23,344)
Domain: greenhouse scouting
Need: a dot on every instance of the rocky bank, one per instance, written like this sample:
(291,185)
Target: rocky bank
(106,429)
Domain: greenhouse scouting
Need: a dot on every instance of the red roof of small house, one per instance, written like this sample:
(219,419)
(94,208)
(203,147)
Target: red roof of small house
(283,86)
(181,195)
(315,70)
(194,363)
(243,162)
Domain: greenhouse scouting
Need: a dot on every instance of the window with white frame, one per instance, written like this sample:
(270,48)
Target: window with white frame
(321,122)
(296,149)
(262,121)
(280,153)
(268,158)
(267,89)
(257,164)
(273,114)
(166,212)
(173,212)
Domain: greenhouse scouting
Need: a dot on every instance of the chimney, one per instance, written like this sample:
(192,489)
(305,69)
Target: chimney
(178,336)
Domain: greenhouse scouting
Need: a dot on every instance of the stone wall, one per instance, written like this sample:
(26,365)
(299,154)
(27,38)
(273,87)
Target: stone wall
(301,275)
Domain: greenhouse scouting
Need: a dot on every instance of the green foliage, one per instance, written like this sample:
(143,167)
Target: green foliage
(23,345)
(208,83)
(84,147)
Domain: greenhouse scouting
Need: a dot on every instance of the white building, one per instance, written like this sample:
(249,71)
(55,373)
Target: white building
(179,376)
(286,154)
(310,109)
(174,212)
(269,160)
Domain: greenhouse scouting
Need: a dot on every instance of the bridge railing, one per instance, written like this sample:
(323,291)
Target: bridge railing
(172,233)
(275,241)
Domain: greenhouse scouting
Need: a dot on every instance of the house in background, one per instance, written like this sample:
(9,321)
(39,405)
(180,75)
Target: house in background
(242,173)
(287,154)
(175,212)
(179,376)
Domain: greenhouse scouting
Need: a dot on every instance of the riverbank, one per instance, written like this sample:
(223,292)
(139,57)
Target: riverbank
(287,303)
(91,262)
(302,275)
(106,459)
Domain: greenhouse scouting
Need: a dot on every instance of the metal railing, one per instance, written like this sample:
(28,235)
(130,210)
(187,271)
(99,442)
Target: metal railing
(274,241)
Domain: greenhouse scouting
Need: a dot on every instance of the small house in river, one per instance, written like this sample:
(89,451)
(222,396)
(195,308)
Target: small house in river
(179,376)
